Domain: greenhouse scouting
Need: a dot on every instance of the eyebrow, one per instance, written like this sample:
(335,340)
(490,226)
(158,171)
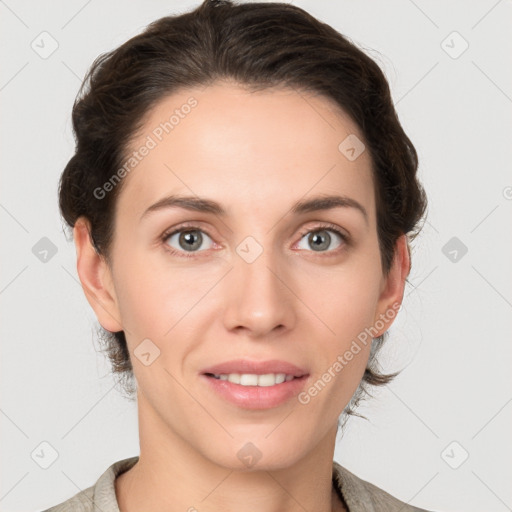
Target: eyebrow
(317,203)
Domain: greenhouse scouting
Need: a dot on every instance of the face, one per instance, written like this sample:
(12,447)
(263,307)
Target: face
(244,277)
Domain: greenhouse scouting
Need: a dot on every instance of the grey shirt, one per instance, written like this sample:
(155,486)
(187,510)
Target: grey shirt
(358,494)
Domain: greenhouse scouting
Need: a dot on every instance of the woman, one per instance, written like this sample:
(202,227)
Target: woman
(242,198)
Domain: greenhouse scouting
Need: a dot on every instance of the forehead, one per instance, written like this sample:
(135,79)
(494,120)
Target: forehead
(251,149)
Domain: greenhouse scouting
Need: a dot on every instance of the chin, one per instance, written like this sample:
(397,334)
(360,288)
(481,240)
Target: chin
(255,453)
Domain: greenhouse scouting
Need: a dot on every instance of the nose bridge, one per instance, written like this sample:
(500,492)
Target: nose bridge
(258,299)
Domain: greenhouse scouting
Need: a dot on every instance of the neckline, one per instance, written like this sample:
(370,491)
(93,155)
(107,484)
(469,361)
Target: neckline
(346,485)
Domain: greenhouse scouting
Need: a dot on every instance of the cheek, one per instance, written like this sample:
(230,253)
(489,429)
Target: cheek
(346,298)
(341,355)
(142,291)
(158,299)
(350,309)
(345,301)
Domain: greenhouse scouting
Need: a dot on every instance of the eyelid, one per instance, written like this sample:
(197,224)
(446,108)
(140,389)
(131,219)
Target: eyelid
(185,226)
(327,226)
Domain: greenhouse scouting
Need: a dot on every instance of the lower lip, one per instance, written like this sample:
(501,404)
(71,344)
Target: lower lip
(256,397)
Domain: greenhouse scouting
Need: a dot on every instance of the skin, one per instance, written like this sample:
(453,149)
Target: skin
(256,154)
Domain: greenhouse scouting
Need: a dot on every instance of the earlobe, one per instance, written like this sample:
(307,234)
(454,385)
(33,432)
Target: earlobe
(96,279)
(392,291)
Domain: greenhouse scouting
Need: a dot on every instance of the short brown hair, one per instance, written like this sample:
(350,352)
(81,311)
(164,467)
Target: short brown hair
(257,45)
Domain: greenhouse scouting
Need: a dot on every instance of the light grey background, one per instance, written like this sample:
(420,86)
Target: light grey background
(453,332)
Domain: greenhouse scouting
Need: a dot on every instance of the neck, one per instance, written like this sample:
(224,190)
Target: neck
(172,475)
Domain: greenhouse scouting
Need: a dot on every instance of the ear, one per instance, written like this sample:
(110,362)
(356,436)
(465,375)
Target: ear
(392,287)
(96,278)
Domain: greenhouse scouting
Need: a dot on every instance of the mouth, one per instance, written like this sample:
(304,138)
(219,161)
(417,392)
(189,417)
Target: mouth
(255,384)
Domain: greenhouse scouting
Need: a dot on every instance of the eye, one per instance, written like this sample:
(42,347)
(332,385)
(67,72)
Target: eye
(189,239)
(320,239)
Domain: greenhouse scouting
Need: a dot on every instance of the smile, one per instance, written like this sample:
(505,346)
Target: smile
(252,379)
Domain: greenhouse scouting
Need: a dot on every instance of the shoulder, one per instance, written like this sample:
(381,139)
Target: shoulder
(363,496)
(101,495)
(81,502)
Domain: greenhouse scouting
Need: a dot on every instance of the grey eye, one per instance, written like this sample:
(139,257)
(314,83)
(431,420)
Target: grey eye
(188,240)
(320,240)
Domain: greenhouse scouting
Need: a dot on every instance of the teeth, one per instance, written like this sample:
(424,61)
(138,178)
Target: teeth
(234,378)
(251,379)
(247,379)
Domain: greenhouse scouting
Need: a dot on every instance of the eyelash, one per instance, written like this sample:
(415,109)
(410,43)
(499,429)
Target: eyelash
(191,227)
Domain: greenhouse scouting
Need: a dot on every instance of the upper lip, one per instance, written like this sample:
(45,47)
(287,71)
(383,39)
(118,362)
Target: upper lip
(255,367)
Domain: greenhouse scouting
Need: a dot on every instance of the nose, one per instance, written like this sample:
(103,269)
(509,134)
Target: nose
(259,297)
